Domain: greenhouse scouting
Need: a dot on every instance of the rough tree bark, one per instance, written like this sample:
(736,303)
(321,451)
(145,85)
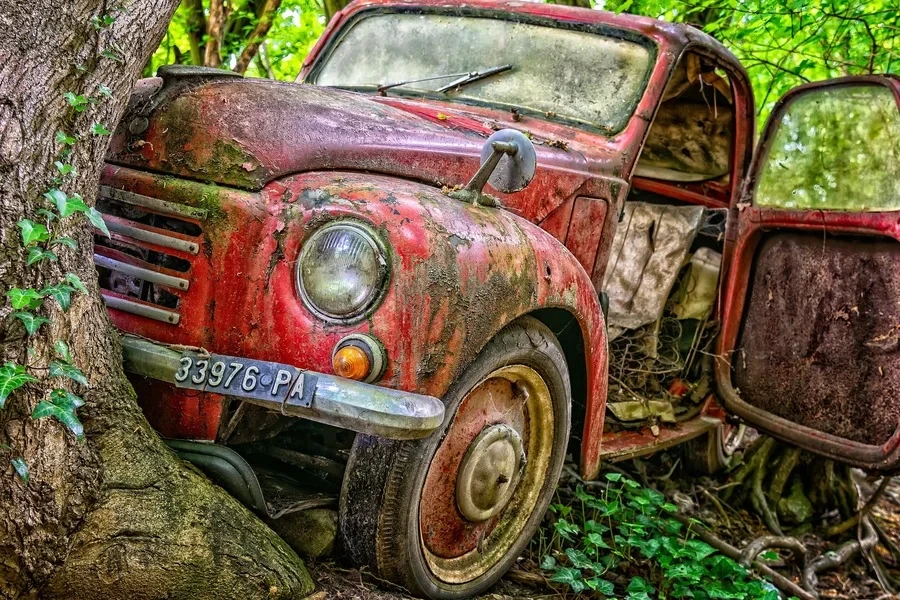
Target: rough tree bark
(116,515)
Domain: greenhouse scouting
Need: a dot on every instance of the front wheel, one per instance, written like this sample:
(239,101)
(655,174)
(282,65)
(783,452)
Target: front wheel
(446,516)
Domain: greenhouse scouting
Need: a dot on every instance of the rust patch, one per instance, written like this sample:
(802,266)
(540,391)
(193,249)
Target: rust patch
(816,344)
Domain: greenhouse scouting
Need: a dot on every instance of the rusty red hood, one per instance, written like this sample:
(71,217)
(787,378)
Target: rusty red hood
(245,133)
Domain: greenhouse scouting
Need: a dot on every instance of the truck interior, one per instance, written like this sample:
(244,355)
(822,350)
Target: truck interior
(663,269)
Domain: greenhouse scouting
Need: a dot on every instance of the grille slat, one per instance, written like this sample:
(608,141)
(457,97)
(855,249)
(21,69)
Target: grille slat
(153,204)
(142,273)
(121,227)
(141,308)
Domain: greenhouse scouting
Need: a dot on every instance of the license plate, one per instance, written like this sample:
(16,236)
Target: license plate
(245,378)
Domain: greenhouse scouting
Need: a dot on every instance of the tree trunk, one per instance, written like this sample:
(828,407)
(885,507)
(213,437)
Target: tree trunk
(115,515)
(215,30)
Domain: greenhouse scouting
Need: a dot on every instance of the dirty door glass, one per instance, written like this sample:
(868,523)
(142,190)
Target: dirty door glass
(835,149)
(576,75)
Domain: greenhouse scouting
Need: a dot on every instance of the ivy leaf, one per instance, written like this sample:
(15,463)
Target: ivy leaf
(36,255)
(66,416)
(77,102)
(66,205)
(111,56)
(96,219)
(76,282)
(64,241)
(64,139)
(61,292)
(12,377)
(32,232)
(601,585)
(27,298)
(62,369)
(66,399)
(65,168)
(31,321)
(43,212)
(62,349)
(21,468)
(99,129)
(104,91)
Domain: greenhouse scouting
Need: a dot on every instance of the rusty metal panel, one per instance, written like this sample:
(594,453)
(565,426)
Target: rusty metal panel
(586,229)
(819,344)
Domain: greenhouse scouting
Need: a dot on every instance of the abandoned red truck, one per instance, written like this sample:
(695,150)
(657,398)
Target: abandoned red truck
(475,237)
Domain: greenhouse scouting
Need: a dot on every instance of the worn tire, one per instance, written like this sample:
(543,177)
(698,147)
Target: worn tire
(713,452)
(381,496)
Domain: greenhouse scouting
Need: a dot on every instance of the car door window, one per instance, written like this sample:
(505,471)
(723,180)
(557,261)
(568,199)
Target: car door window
(835,148)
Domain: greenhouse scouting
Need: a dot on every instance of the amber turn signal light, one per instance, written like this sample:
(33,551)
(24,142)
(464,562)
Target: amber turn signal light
(351,362)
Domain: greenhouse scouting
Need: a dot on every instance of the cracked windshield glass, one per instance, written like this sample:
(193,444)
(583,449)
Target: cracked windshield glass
(588,78)
(835,149)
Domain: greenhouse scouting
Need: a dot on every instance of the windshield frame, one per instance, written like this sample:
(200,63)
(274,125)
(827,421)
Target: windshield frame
(488,13)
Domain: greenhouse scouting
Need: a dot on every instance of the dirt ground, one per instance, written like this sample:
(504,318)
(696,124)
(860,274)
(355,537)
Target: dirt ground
(852,581)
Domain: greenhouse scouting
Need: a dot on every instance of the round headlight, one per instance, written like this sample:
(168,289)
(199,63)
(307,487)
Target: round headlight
(341,271)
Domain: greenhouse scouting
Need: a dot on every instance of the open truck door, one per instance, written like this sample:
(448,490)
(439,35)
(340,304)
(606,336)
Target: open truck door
(810,301)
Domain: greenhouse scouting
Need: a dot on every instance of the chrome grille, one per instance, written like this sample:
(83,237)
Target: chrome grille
(145,266)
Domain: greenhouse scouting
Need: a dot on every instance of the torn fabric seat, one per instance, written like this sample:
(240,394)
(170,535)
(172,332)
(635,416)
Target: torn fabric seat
(649,248)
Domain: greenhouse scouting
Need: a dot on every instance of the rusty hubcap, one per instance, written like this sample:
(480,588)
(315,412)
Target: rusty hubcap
(485,479)
(489,472)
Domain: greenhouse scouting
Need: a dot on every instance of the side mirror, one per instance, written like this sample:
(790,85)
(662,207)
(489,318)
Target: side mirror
(508,163)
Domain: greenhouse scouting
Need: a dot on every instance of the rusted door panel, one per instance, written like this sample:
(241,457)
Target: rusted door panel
(810,309)
(810,299)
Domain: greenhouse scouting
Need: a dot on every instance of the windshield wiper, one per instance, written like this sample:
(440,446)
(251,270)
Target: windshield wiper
(473,77)
(465,78)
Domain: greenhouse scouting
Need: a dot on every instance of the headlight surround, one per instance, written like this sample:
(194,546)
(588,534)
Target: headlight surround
(342,271)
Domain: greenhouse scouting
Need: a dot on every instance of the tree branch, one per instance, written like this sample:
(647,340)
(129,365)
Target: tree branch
(214,32)
(266,17)
(196,29)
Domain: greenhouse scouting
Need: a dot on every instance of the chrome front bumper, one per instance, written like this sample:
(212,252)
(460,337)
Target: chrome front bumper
(345,403)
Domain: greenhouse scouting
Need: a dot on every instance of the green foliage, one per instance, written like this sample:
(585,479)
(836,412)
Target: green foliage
(32,232)
(627,530)
(24,298)
(79,103)
(21,468)
(31,321)
(64,139)
(784,43)
(12,377)
(61,292)
(97,221)
(61,405)
(36,255)
(59,368)
(38,239)
(294,31)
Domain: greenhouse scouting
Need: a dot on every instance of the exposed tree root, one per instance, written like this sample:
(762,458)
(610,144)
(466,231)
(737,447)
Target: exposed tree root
(788,488)
(841,555)
(760,544)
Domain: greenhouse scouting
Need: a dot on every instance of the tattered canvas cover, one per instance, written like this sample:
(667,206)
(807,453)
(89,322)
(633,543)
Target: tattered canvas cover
(650,245)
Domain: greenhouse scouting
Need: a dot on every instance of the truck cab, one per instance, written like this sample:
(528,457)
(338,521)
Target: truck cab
(362,274)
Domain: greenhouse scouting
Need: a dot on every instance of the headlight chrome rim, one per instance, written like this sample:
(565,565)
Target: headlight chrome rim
(367,233)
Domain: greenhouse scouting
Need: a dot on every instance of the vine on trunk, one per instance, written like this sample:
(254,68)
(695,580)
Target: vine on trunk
(43,237)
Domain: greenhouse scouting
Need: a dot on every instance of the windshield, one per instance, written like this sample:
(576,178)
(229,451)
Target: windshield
(580,76)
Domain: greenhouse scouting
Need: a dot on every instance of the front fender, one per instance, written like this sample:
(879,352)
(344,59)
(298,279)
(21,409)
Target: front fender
(460,273)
